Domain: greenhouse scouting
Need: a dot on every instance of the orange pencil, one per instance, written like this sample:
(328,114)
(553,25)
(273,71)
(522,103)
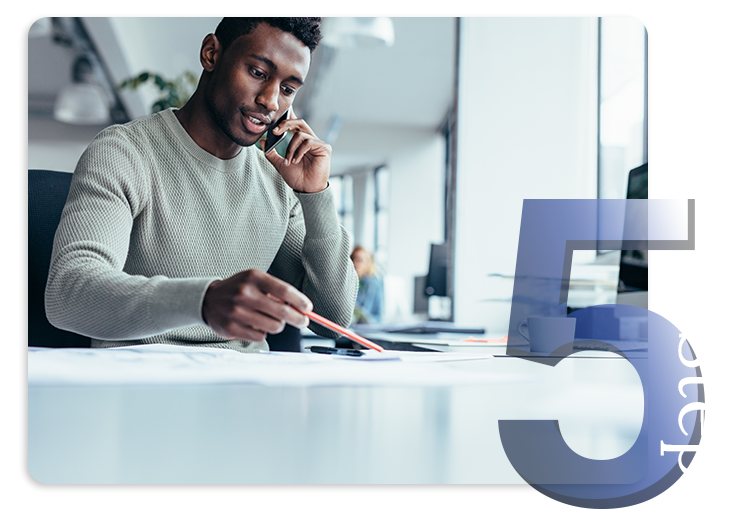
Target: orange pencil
(334,327)
(339,329)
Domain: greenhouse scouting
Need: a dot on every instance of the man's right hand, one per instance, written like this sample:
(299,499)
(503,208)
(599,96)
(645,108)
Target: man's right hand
(251,304)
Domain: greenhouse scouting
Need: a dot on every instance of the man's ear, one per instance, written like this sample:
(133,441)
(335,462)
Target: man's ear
(210,53)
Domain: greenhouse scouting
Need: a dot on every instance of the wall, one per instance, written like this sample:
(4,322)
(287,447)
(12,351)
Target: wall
(416,215)
(526,129)
(417,199)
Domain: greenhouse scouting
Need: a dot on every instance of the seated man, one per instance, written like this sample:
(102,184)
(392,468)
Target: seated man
(174,219)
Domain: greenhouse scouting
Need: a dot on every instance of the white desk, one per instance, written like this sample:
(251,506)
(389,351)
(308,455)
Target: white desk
(175,415)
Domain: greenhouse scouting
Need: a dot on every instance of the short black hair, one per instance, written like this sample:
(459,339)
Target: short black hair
(307,30)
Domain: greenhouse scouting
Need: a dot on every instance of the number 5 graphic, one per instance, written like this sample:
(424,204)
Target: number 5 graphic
(550,231)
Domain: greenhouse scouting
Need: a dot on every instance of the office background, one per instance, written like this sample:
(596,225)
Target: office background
(439,132)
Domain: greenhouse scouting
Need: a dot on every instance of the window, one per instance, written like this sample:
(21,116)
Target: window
(368,220)
(622,110)
(341,187)
(381,216)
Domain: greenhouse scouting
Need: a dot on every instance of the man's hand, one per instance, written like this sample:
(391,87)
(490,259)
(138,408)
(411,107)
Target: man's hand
(307,161)
(251,304)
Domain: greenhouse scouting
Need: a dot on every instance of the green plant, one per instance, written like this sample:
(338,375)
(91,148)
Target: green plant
(175,93)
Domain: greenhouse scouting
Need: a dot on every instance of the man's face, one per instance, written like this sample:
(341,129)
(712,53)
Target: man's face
(255,82)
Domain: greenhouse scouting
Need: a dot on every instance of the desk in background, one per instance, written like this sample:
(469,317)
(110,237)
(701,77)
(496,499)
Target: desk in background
(482,344)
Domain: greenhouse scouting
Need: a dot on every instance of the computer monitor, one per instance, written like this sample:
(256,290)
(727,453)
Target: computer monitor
(633,265)
(420,299)
(435,284)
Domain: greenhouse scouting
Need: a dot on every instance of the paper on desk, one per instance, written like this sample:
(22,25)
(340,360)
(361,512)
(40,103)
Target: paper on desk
(171,364)
(407,356)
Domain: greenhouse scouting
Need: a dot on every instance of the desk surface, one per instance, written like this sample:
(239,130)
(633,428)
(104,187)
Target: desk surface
(229,417)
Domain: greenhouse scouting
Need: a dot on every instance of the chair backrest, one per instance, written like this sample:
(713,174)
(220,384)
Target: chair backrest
(47,193)
(288,340)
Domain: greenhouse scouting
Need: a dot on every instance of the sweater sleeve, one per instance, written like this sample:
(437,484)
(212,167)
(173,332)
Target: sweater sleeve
(315,258)
(87,290)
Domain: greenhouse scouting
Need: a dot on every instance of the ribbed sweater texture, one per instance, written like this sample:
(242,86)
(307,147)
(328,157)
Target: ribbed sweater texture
(152,219)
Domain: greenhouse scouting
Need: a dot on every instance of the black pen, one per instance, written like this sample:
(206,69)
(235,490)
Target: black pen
(334,350)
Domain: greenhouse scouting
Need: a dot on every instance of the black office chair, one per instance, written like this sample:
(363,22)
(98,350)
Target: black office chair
(288,340)
(47,193)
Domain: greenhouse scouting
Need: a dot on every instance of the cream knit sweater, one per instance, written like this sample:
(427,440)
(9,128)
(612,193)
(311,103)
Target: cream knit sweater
(152,219)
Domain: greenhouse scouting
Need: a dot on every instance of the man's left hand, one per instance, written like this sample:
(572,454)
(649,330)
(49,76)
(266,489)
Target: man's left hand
(307,161)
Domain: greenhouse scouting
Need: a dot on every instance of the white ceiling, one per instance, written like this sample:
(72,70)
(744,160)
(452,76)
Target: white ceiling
(371,91)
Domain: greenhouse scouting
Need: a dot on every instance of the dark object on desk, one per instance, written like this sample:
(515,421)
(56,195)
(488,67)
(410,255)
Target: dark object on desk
(47,193)
(346,343)
(287,340)
(335,350)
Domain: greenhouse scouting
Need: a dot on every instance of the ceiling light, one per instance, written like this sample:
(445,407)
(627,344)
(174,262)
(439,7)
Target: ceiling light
(84,101)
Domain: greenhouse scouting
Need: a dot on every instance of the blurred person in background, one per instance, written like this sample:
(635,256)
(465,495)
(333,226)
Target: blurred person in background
(369,303)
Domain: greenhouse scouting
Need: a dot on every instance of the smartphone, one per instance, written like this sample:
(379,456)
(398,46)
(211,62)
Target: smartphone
(272,139)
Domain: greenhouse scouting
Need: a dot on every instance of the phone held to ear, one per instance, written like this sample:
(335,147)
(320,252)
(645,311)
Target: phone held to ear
(272,139)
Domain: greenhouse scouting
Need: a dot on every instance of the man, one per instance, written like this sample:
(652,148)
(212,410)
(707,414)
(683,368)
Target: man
(173,220)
